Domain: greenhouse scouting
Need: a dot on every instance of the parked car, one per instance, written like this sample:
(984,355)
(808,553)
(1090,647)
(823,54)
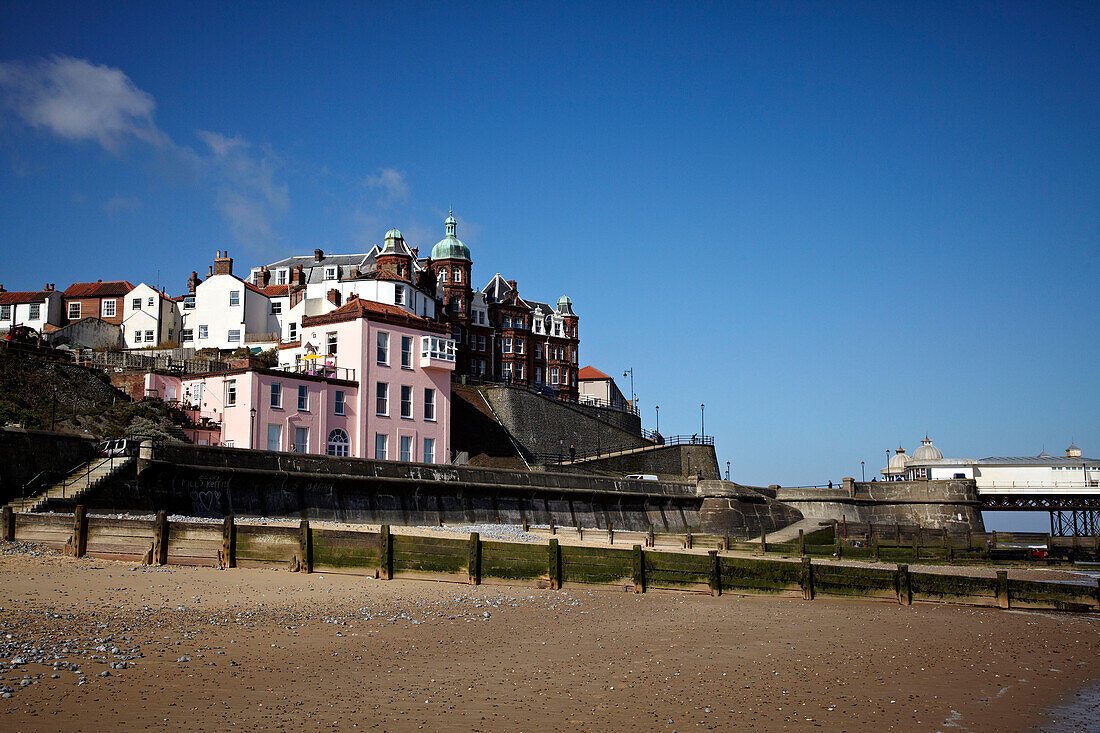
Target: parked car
(119,447)
(642,477)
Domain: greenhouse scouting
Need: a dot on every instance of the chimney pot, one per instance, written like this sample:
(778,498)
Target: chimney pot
(318,255)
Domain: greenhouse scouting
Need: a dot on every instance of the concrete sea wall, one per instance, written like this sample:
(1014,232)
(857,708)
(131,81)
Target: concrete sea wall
(24,454)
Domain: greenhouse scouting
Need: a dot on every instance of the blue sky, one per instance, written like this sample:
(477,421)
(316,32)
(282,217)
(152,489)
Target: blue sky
(838,225)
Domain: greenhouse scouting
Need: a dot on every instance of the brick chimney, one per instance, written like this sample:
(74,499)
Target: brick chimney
(49,287)
(297,276)
(264,277)
(334,297)
(193,282)
(318,255)
(2,289)
(223,264)
(513,286)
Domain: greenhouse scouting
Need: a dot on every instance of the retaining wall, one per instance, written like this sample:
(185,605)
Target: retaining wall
(26,453)
(545,426)
(671,460)
(926,503)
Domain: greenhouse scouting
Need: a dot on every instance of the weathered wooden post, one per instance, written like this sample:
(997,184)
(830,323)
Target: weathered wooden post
(801,544)
(80,532)
(474,558)
(553,529)
(837,545)
(844,524)
(806,579)
(763,542)
(874,548)
(1002,589)
(610,535)
(916,544)
(525,526)
(160,539)
(651,538)
(385,555)
(227,558)
(715,573)
(305,547)
(555,564)
(897,532)
(8,520)
(905,589)
(639,569)
(687,541)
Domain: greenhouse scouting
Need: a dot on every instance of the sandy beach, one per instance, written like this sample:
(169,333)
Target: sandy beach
(92,644)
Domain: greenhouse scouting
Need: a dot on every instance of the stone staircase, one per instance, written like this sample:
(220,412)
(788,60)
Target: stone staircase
(75,484)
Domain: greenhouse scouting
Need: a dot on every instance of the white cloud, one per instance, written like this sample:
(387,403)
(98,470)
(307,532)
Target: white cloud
(78,100)
(391,184)
(117,204)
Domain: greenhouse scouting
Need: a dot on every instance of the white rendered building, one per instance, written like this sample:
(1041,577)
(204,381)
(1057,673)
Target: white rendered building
(1007,473)
(40,310)
(149,318)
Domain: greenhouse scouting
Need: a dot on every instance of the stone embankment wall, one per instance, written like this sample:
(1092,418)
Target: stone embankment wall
(673,460)
(213,482)
(937,504)
(545,426)
(26,453)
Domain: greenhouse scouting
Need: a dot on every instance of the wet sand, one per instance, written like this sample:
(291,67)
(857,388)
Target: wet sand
(205,649)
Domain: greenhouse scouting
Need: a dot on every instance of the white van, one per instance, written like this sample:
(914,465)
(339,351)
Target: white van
(642,477)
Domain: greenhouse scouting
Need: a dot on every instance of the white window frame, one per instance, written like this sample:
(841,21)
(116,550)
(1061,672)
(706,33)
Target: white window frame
(233,336)
(204,331)
(382,354)
(429,451)
(405,448)
(338,443)
(382,399)
(276,308)
(429,404)
(303,398)
(234,298)
(406,352)
(71,315)
(277,395)
(231,393)
(186,334)
(339,403)
(381,447)
(109,312)
(406,404)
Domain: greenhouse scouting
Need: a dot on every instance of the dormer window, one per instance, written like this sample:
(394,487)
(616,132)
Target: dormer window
(280,277)
(458,276)
(330,273)
(399,295)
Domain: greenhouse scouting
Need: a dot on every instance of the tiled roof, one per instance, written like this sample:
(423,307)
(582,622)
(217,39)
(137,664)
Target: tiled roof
(591,372)
(273,291)
(99,289)
(24,296)
(358,308)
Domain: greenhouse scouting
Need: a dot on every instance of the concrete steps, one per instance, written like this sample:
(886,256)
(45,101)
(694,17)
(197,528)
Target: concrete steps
(75,484)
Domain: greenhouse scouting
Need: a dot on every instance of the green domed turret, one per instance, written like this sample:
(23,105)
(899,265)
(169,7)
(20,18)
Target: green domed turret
(450,247)
(565,305)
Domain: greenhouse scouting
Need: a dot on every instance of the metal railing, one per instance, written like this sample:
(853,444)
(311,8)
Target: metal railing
(544,389)
(565,456)
(123,360)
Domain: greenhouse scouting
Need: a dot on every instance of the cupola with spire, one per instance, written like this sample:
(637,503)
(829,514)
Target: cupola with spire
(450,247)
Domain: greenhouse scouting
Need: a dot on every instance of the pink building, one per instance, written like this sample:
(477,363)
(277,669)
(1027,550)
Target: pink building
(366,380)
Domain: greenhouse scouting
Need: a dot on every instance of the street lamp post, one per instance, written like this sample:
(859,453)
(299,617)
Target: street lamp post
(658,428)
(252,428)
(703,423)
(862,471)
(727,470)
(633,404)
(887,462)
